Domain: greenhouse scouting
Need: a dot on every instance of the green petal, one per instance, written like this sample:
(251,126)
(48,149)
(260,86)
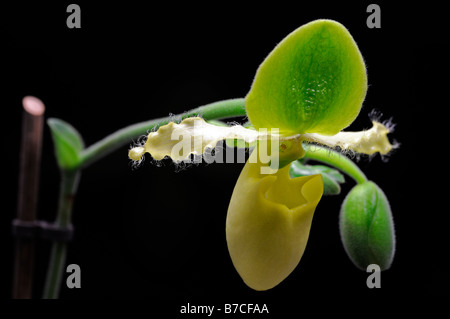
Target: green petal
(314,81)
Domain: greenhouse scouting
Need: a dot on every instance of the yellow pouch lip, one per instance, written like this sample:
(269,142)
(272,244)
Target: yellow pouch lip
(311,189)
(266,232)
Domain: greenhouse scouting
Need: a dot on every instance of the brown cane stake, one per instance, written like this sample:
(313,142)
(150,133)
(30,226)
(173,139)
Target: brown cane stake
(30,158)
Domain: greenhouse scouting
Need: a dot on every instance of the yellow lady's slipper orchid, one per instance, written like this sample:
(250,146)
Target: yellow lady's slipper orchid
(268,223)
(308,89)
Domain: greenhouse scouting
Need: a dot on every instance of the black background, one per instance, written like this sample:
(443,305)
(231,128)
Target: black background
(156,234)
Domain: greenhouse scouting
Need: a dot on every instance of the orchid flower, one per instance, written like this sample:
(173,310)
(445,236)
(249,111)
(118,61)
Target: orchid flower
(308,89)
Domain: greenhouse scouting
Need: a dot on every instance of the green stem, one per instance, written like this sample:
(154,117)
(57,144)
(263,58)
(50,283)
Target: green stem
(217,110)
(55,270)
(69,183)
(70,178)
(337,160)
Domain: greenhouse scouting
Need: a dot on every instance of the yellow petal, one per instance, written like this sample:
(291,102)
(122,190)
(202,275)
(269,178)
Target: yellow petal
(192,136)
(268,223)
(366,142)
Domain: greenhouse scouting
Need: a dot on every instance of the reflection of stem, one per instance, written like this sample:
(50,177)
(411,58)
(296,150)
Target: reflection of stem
(217,110)
(337,160)
(69,183)
(69,179)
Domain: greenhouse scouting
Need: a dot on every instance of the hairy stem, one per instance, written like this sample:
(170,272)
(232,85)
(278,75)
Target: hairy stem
(337,160)
(70,178)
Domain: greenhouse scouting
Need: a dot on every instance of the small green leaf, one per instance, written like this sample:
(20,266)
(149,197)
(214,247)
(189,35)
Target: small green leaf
(68,143)
(314,81)
(331,177)
(366,227)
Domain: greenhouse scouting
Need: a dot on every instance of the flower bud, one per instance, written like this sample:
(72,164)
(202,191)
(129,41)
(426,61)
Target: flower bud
(366,227)
(268,223)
